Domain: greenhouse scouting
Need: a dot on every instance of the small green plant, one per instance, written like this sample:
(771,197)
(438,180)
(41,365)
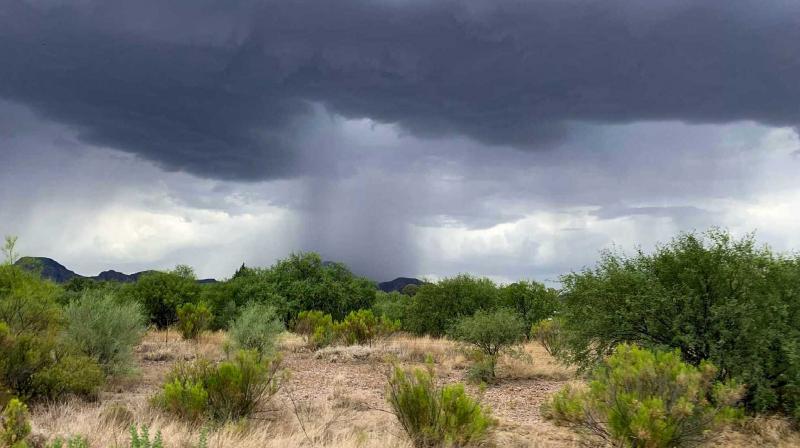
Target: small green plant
(257,328)
(548,333)
(363,327)
(193,319)
(492,333)
(15,426)
(142,439)
(71,442)
(435,417)
(229,390)
(645,399)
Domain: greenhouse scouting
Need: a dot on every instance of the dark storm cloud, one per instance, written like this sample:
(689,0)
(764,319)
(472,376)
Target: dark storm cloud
(221,88)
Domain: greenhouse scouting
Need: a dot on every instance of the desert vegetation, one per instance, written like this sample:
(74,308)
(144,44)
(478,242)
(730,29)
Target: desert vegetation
(694,344)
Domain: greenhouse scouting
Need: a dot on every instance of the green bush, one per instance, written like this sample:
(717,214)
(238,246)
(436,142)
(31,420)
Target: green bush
(549,334)
(362,327)
(532,301)
(316,326)
(193,320)
(640,398)
(257,328)
(492,333)
(436,306)
(308,283)
(161,293)
(101,327)
(711,296)
(69,373)
(34,361)
(432,416)
(393,306)
(71,442)
(229,390)
(15,426)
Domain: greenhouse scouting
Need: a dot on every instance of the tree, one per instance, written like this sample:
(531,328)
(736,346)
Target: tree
(531,300)
(710,296)
(9,249)
(160,293)
(436,306)
(492,333)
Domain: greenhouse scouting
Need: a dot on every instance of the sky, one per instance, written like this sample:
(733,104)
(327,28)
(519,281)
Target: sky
(508,139)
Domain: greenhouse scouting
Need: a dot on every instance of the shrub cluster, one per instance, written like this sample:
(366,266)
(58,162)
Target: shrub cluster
(35,359)
(433,416)
(640,398)
(358,327)
(229,390)
(711,296)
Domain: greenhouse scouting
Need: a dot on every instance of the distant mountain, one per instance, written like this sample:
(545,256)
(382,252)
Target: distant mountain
(55,271)
(48,268)
(398,284)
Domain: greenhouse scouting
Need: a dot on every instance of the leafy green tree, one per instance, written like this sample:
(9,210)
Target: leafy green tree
(161,293)
(639,398)
(309,284)
(436,306)
(531,300)
(492,333)
(711,296)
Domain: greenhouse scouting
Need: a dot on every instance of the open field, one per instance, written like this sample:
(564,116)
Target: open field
(335,398)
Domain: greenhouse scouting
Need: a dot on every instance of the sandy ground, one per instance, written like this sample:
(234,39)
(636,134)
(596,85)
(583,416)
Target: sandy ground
(335,397)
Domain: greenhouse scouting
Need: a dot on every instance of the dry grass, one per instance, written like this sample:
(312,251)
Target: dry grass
(335,398)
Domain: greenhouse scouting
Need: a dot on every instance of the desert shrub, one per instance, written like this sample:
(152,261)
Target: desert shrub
(641,398)
(362,327)
(492,333)
(101,327)
(548,333)
(392,306)
(68,374)
(161,293)
(316,327)
(34,361)
(711,296)
(436,306)
(257,328)
(70,442)
(193,320)
(432,416)
(15,426)
(229,390)
(531,300)
(142,439)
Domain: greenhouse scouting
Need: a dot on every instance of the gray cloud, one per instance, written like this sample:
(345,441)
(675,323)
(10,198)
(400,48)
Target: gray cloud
(223,89)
